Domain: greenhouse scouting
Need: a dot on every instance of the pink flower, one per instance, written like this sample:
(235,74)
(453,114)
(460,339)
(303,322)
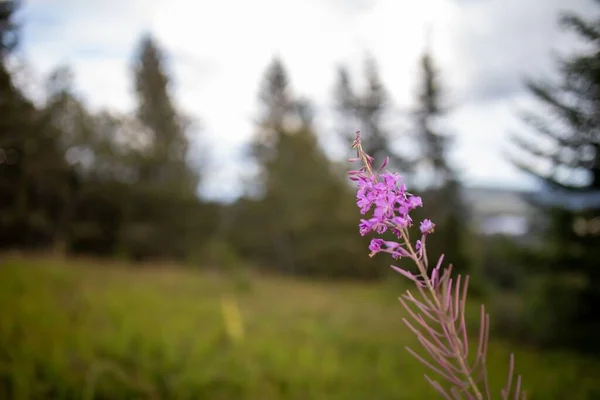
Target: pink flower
(427,227)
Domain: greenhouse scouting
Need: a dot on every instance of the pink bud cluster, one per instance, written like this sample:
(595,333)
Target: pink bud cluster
(384,193)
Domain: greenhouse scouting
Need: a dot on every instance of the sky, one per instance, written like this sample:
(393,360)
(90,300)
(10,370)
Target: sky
(218,51)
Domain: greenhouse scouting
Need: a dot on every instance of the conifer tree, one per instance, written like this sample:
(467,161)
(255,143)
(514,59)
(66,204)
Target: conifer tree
(276,108)
(307,214)
(158,215)
(366,111)
(66,115)
(167,159)
(443,190)
(32,168)
(563,153)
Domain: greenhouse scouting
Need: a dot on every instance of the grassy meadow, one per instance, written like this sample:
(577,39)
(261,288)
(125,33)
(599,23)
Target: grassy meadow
(89,330)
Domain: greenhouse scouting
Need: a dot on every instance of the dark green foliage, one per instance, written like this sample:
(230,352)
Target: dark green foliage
(105,184)
(310,221)
(305,221)
(565,273)
(95,183)
(164,162)
(34,176)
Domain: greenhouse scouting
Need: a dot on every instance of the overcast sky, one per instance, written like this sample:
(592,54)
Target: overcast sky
(218,51)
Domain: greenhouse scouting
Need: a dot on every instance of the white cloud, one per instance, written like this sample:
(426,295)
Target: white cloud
(219,50)
(311,38)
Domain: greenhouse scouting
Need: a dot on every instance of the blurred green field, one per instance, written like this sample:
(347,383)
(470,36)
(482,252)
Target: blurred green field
(83,330)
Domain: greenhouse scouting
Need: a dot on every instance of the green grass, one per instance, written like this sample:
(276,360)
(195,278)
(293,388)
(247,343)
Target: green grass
(81,329)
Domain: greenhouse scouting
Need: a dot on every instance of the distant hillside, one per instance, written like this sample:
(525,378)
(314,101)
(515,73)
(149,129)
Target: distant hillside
(493,200)
(499,210)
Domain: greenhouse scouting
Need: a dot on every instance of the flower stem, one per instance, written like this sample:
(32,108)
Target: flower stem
(453,337)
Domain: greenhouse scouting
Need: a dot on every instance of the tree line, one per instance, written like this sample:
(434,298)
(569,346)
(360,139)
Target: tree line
(107,184)
(111,184)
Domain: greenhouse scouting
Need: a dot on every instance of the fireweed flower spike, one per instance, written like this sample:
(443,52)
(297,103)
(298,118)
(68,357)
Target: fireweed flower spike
(437,307)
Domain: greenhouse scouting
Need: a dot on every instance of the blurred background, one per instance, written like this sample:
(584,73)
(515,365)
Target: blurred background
(176,219)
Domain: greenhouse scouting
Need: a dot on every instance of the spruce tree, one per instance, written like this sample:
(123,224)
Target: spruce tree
(307,216)
(274,150)
(563,153)
(32,168)
(159,213)
(276,108)
(66,115)
(167,158)
(366,111)
(443,193)
(434,145)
